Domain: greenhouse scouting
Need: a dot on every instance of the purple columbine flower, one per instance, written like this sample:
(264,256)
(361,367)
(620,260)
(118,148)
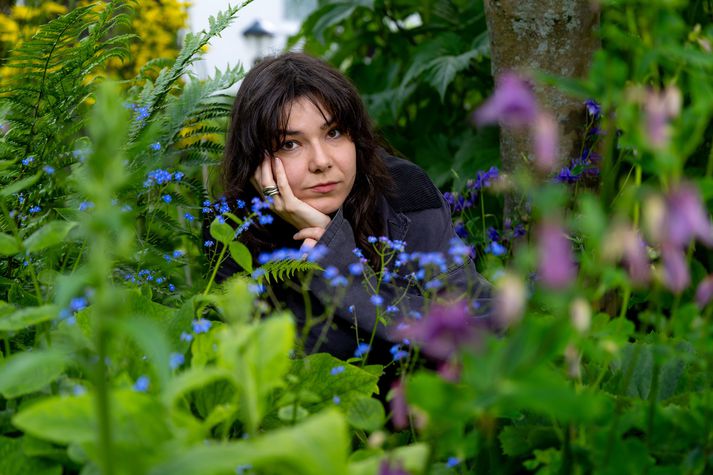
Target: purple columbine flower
(545,138)
(446,329)
(660,108)
(704,291)
(556,264)
(399,407)
(637,259)
(513,104)
(686,217)
(675,270)
(386,468)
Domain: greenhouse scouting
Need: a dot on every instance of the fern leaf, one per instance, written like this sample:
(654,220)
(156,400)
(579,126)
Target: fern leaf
(153,98)
(279,271)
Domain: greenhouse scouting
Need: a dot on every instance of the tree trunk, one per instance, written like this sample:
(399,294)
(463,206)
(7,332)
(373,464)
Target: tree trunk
(556,36)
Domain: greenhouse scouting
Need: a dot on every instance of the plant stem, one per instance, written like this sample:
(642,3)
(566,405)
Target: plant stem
(215,269)
(102,400)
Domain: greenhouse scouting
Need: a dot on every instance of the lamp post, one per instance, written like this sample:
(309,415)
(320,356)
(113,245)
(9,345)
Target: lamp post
(259,35)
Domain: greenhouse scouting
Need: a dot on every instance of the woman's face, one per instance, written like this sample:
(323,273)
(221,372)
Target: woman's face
(319,159)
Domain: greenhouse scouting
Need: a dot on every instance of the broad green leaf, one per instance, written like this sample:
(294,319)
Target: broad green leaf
(137,419)
(190,380)
(149,336)
(49,235)
(366,413)
(259,355)
(8,245)
(317,446)
(237,301)
(59,419)
(30,371)
(413,458)
(14,460)
(349,383)
(27,317)
(240,254)
(332,14)
(445,68)
(20,185)
(221,232)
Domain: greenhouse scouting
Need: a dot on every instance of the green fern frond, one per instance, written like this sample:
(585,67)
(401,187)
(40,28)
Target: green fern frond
(154,95)
(48,86)
(279,271)
(180,111)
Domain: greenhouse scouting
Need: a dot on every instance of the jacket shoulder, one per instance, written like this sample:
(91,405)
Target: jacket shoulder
(414,189)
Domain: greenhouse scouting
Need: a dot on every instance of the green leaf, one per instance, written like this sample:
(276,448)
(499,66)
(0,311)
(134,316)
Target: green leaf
(190,380)
(445,68)
(137,419)
(259,356)
(14,461)
(221,232)
(367,414)
(350,384)
(8,245)
(28,372)
(333,13)
(240,254)
(20,185)
(151,339)
(317,446)
(27,317)
(522,439)
(49,235)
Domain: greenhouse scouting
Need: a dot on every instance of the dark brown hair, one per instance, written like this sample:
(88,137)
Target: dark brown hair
(259,118)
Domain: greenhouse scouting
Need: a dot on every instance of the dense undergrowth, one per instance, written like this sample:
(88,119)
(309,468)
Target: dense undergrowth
(121,355)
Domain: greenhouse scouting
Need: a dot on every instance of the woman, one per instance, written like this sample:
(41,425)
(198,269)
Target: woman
(300,134)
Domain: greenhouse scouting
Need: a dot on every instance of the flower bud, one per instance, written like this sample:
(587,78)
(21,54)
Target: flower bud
(581,314)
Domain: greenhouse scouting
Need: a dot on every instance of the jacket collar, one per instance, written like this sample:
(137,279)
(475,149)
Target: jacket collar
(397,223)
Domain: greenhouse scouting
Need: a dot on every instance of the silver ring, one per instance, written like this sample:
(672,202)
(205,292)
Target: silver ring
(270,191)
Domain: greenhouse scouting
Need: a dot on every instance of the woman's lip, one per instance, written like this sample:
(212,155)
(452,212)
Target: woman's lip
(324,188)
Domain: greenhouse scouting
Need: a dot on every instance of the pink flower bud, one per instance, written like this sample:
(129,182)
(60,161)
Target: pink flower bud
(545,142)
(513,104)
(704,292)
(556,265)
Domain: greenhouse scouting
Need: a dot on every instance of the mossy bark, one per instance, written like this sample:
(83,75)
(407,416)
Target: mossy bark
(555,36)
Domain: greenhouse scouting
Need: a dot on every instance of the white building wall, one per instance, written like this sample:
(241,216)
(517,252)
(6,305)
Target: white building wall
(232,47)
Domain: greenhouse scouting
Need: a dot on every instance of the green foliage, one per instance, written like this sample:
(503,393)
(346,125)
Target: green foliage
(120,356)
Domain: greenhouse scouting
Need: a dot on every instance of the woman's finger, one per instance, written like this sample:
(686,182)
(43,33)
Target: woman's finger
(281,179)
(308,244)
(266,178)
(314,233)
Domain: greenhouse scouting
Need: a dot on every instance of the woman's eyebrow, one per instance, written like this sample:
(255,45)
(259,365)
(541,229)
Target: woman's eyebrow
(324,126)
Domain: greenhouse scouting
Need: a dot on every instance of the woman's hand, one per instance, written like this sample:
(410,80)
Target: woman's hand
(309,222)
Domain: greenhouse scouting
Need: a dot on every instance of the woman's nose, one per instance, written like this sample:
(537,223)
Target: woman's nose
(321,159)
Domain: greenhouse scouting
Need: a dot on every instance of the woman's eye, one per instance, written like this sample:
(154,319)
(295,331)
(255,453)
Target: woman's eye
(334,133)
(289,145)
